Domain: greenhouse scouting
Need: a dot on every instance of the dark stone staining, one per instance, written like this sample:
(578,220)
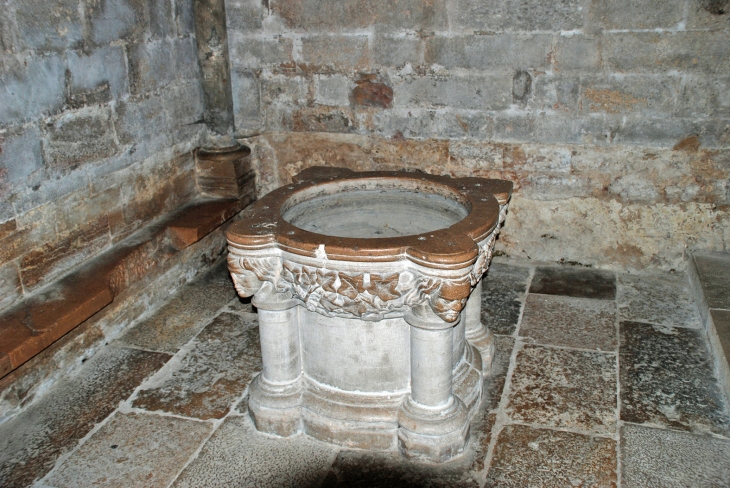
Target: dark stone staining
(574,282)
(31,442)
(521,86)
(221,363)
(667,379)
(504,288)
(355,469)
(494,380)
(716,7)
(372,93)
(524,456)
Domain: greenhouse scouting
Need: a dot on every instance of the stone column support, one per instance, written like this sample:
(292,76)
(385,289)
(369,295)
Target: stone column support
(275,394)
(433,422)
(477,333)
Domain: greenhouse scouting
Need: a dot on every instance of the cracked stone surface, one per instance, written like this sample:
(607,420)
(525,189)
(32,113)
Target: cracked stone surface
(667,379)
(574,282)
(662,300)
(214,372)
(238,455)
(31,442)
(535,457)
(657,457)
(582,323)
(561,388)
(504,289)
(132,450)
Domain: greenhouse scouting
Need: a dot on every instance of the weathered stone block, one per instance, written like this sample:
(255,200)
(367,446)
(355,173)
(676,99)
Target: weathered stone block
(704,95)
(115,19)
(31,87)
(650,95)
(49,25)
(151,66)
(492,51)
(184,18)
(246,95)
(519,15)
(96,78)
(332,89)
(254,53)
(323,53)
(289,90)
(396,51)
(20,154)
(161,18)
(555,129)
(184,107)
(78,137)
(320,15)
(418,123)
(51,259)
(186,59)
(323,119)
(578,53)
(245,15)
(471,92)
(636,14)
(551,92)
(9,33)
(654,52)
(143,125)
(661,131)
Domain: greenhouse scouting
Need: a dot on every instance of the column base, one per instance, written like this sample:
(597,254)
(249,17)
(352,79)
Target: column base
(433,434)
(483,339)
(276,408)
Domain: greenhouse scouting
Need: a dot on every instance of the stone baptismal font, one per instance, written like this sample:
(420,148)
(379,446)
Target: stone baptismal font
(368,290)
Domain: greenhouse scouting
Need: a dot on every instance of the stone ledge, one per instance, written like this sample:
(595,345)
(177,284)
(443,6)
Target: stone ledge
(38,321)
(708,272)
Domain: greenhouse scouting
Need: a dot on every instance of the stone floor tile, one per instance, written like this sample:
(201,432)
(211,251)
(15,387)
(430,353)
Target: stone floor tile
(132,450)
(494,380)
(31,442)
(504,289)
(527,457)
(215,371)
(583,323)
(667,379)
(358,469)
(562,388)
(659,457)
(237,455)
(574,282)
(180,319)
(663,300)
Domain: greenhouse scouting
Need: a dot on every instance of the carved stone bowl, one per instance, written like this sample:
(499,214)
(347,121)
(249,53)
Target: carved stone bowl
(369,338)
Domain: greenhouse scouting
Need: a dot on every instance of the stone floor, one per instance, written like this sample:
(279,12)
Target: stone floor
(600,379)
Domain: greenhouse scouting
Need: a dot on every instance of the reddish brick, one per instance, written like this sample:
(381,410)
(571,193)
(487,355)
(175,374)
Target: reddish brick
(37,322)
(198,220)
(372,94)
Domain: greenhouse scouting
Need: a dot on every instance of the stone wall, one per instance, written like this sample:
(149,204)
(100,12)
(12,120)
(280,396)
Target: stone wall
(612,118)
(100,103)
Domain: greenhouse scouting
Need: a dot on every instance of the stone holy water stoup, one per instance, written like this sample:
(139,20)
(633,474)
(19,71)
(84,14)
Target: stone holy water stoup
(368,290)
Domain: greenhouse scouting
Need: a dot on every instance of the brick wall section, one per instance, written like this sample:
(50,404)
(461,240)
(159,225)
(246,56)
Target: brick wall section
(612,118)
(99,108)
